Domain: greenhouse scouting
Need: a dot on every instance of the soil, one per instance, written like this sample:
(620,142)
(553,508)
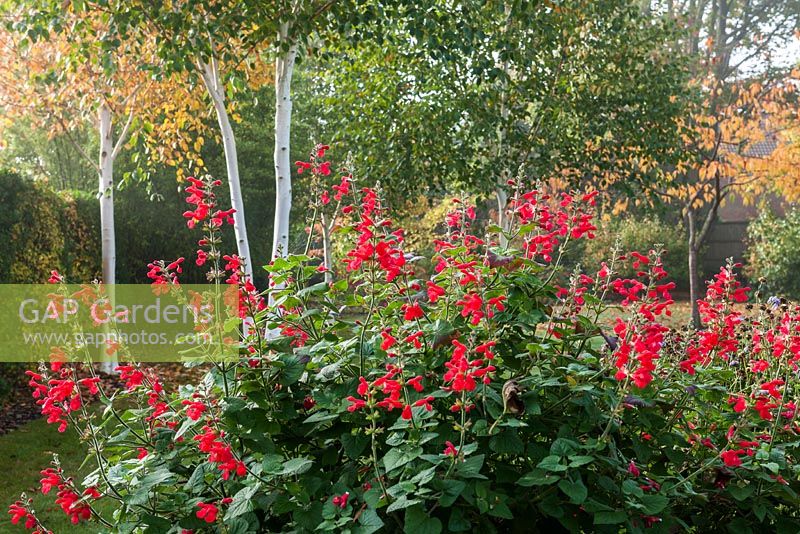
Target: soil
(17,405)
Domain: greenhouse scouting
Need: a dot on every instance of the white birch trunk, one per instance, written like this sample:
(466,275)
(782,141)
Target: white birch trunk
(211,80)
(327,253)
(106,197)
(284,67)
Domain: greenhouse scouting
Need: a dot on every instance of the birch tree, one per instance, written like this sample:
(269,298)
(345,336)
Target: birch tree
(61,87)
(186,45)
(209,72)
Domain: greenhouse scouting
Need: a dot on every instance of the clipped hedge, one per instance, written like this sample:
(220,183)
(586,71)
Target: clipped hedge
(772,255)
(41,230)
(641,233)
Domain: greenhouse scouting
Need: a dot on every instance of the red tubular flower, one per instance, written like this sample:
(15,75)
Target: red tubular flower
(340,501)
(771,388)
(388,340)
(355,404)
(132,376)
(434,292)
(90,384)
(406,412)
(92,492)
(462,373)
(207,512)
(220,453)
(450,449)
(471,306)
(764,408)
(77,511)
(363,386)
(194,409)
(412,312)
(302,166)
(633,470)
(732,458)
(414,339)
(497,304)
(486,349)
(739,403)
(426,402)
(18,512)
(52,479)
(343,188)
(415,383)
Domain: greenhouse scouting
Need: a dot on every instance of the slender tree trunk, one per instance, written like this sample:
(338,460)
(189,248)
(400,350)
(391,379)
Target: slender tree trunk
(327,253)
(694,276)
(284,68)
(106,196)
(502,221)
(500,192)
(212,83)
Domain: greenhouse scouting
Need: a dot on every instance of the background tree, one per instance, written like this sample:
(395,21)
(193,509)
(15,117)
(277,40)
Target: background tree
(583,92)
(746,95)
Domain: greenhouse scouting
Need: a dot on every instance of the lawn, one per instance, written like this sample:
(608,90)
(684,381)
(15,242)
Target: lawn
(681,315)
(23,453)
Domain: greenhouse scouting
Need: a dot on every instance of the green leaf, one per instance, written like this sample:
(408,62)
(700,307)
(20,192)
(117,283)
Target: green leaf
(196,482)
(576,491)
(610,518)
(402,502)
(741,493)
(292,370)
(368,522)
(457,522)
(321,287)
(552,463)
(320,416)
(654,504)
(507,442)
(186,425)
(471,467)
(418,522)
(773,467)
(564,447)
(354,445)
(242,502)
(538,477)
(296,466)
(451,489)
(141,492)
(631,487)
(578,461)
(399,457)
(501,510)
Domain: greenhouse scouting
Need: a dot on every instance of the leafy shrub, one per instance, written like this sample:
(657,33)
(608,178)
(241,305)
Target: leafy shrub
(484,398)
(772,252)
(40,231)
(641,233)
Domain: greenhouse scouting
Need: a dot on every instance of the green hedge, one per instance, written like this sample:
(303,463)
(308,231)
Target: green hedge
(772,253)
(41,230)
(641,234)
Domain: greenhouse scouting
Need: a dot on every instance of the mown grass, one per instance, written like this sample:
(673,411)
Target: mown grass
(681,315)
(23,453)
